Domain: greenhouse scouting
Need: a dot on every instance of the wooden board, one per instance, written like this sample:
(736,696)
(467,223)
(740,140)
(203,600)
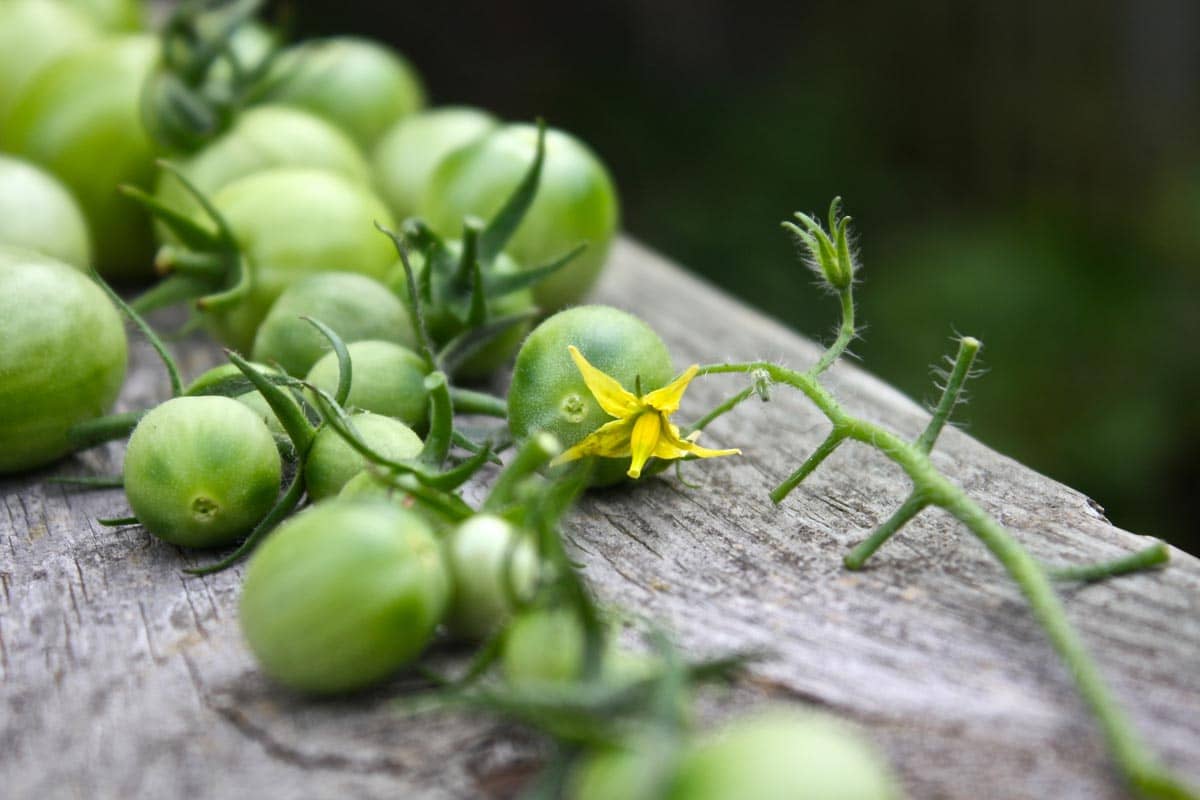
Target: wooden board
(119,677)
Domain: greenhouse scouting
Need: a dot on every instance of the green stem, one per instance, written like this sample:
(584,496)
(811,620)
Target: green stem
(907,510)
(968,348)
(1152,556)
(846,334)
(719,411)
(467,401)
(930,487)
(97,431)
(823,451)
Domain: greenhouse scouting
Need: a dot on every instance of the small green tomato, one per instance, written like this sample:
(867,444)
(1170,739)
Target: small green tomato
(38,213)
(385,379)
(362,86)
(201,471)
(62,356)
(491,565)
(411,149)
(251,399)
(80,119)
(343,595)
(783,754)
(332,462)
(575,202)
(291,222)
(33,34)
(548,392)
(545,646)
(354,306)
(262,138)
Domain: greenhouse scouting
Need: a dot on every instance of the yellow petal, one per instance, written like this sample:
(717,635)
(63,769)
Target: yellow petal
(643,440)
(667,398)
(611,396)
(610,440)
(688,446)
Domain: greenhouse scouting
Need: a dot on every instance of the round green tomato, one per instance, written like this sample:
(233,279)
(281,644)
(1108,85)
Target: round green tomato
(406,156)
(343,595)
(639,769)
(354,306)
(543,646)
(360,85)
(48,381)
(201,471)
(370,485)
(80,119)
(290,223)
(575,203)
(33,34)
(781,754)
(491,564)
(385,378)
(38,213)
(332,462)
(443,324)
(113,15)
(548,393)
(263,138)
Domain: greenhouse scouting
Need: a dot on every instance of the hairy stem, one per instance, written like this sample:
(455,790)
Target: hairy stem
(1152,556)
(968,348)
(904,514)
(823,451)
(846,334)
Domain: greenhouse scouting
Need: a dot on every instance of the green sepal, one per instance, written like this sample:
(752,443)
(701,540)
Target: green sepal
(504,224)
(499,284)
(345,368)
(441,421)
(460,349)
(286,409)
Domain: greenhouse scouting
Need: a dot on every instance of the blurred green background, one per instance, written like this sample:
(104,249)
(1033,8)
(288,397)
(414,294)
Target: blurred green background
(1024,172)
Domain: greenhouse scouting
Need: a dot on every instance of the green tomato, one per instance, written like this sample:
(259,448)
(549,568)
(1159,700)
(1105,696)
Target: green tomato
(290,223)
(639,769)
(575,202)
(370,485)
(548,393)
(343,595)
(354,306)
(201,471)
(113,15)
(34,34)
(80,119)
(445,323)
(48,381)
(385,378)
(543,646)
(262,138)
(783,754)
(491,564)
(360,85)
(408,153)
(38,213)
(332,462)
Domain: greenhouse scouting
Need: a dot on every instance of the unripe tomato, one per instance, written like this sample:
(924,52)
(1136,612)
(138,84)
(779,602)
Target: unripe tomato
(38,213)
(80,119)
(34,34)
(262,138)
(783,754)
(332,462)
(548,393)
(292,222)
(546,646)
(491,564)
(201,471)
(575,202)
(354,306)
(62,356)
(342,595)
(385,379)
(406,156)
(359,85)
(639,769)
(371,485)
(250,399)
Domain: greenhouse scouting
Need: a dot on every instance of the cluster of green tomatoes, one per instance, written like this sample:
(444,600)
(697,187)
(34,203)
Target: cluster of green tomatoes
(370,259)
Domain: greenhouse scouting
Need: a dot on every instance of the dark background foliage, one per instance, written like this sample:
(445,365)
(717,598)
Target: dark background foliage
(1025,172)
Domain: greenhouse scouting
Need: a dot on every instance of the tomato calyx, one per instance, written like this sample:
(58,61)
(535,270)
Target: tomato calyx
(202,80)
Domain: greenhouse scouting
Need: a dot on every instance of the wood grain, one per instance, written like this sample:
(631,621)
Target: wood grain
(121,678)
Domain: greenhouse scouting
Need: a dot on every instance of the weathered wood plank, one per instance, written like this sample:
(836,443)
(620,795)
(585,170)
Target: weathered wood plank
(120,678)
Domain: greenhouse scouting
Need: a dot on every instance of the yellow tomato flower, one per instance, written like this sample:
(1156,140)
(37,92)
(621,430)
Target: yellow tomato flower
(641,428)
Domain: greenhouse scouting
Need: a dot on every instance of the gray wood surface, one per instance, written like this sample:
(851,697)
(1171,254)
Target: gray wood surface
(119,677)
